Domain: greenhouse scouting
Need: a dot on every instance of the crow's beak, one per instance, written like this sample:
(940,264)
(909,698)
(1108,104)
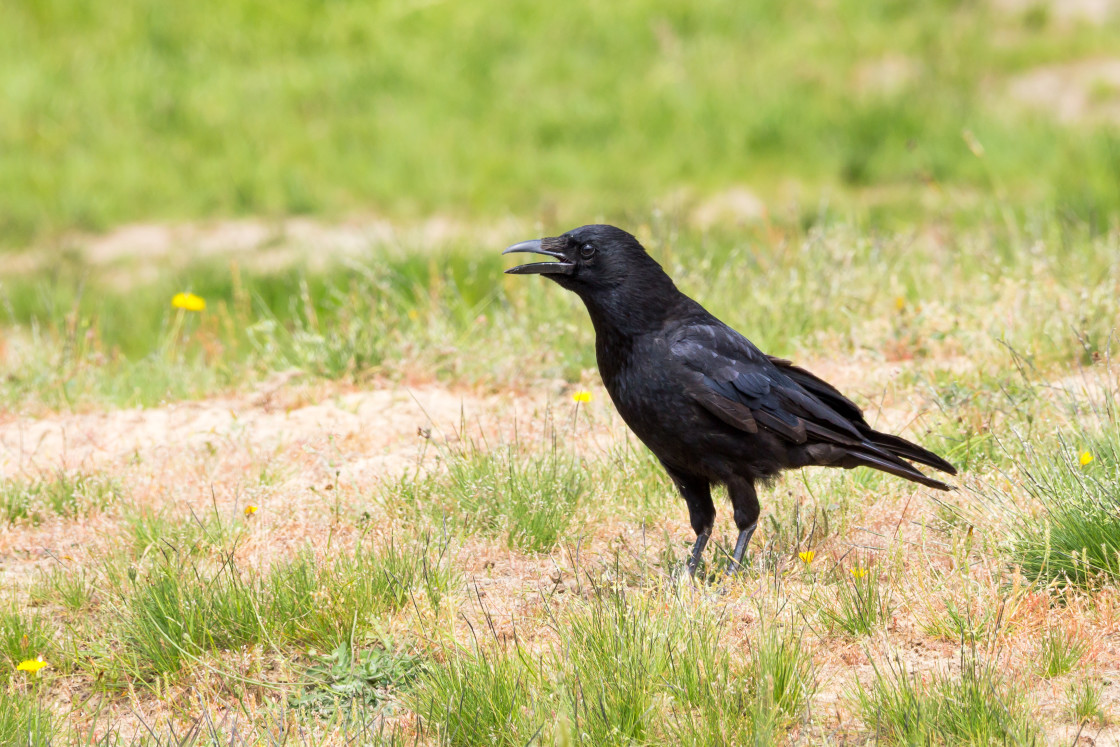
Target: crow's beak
(562,267)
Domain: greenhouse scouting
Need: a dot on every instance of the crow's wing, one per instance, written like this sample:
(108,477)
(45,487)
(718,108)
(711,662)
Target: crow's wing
(742,386)
(820,389)
(736,382)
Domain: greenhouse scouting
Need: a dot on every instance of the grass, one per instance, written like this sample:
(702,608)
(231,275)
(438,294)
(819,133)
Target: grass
(1064,528)
(981,706)
(862,601)
(1085,702)
(442,314)
(1060,651)
(359,618)
(934,246)
(621,658)
(524,495)
(174,608)
(442,109)
(24,720)
(73,589)
(24,634)
(480,697)
(67,495)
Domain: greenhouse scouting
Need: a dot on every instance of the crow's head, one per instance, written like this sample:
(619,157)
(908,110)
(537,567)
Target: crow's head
(589,259)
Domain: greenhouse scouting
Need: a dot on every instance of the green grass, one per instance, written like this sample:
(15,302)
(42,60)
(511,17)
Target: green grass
(527,496)
(1059,651)
(70,496)
(71,587)
(24,720)
(1085,702)
(630,667)
(175,608)
(24,634)
(981,706)
(964,621)
(861,600)
(296,108)
(480,697)
(1066,529)
(447,313)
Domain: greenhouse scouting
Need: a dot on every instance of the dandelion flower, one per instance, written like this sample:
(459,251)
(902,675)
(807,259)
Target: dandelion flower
(1086,457)
(31,665)
(188,302)
(807,556)
(859,572)
(581,397)
(251,509)
(899,303)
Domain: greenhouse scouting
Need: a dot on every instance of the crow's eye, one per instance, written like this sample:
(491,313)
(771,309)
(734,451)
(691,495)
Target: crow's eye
(587,251)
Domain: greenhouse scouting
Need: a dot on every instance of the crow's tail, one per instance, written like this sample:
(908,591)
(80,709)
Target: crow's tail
(893,466)
(900,447)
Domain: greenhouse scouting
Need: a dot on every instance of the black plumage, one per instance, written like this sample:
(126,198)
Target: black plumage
(709,404)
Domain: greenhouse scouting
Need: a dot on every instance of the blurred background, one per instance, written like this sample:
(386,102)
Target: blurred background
(298,163)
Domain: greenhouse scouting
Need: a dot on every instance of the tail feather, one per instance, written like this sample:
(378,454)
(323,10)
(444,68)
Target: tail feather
(898,468)
(902,448)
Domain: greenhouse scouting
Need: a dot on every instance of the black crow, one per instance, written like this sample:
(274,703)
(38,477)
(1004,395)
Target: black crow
(707,402)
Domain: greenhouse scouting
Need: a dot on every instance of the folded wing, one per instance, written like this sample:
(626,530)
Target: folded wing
(741,386)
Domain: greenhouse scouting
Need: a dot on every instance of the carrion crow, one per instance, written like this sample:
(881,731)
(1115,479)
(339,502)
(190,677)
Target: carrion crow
(709,404)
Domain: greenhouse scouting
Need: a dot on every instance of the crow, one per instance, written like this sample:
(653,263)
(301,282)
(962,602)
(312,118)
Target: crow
(712,407)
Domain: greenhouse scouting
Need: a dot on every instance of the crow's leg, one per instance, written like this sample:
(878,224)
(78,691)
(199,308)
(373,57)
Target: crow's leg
(744,500)
(697,494)
(697,551)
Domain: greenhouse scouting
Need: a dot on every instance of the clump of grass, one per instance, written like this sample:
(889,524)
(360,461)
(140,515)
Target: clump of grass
(181,606)
(321,604)
(178,610)
(633,483)
(619,651)
(1070,536)
(482,697)
(24,720)
(629,667)
(67,495)
(23,635)
(154,532)
(1059,651)
(72,588)
(861,599)
(781,675)
(528,498)
(628,652)
(962,622)
(1085,701)
(978,707)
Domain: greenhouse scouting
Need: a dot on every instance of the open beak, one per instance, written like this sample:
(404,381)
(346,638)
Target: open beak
(561,267)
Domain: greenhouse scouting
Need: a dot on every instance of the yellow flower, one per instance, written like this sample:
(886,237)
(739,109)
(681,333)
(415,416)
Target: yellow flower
(251,509)
(807,556)
(899,303)
(581,397)
(859,572)
(1086,457)
(188,302)
(31,665)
